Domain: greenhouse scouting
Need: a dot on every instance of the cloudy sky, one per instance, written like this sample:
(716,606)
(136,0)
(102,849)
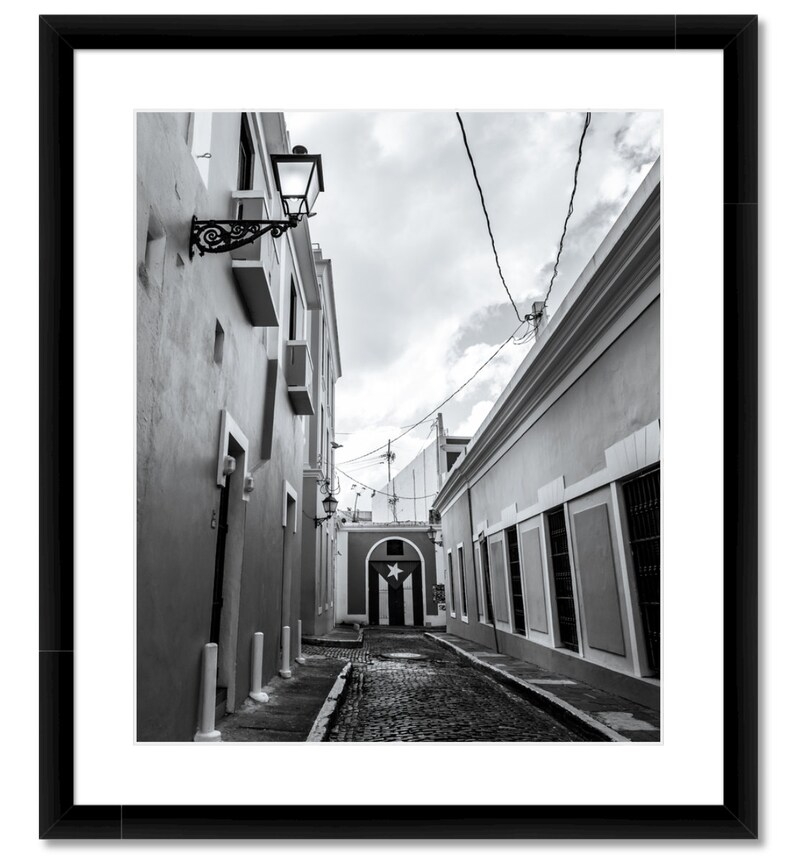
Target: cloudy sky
(419,301)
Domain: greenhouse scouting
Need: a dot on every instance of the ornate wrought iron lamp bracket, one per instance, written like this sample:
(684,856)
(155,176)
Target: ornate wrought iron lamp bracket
(222,236)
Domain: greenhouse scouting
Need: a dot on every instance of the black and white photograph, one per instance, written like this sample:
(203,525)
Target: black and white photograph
(398,426)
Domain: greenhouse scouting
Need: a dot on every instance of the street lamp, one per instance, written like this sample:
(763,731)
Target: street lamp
(329,506)
(299,180)
(431,534)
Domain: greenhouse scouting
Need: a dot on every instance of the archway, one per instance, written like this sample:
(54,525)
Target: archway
(395,579)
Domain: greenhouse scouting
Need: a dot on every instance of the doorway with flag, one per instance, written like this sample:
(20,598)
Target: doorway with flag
(395,593)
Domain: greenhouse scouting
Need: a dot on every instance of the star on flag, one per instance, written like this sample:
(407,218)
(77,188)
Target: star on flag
(394,571)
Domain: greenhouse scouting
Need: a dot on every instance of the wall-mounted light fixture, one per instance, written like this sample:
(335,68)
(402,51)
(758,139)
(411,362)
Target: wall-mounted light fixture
(299,180)
(248,486)
(229,465)
(431,534)
(329,506)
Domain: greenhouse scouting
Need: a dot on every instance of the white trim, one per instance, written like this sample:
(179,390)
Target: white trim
(498,624)
(460,553)
(621,467)
(230,428)
(574,581)
(289,491)
(450,596)
(629,600)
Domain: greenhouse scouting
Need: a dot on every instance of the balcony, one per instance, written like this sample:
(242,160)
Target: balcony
(298,369)
(250,263)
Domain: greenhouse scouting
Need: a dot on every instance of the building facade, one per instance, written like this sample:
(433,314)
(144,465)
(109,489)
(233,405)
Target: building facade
(387,575)
(319,532)
(389,568)
(551,521)
(226,390)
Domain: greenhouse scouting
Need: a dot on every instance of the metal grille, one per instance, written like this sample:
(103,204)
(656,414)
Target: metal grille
(563,585)
(519,624)
(464,604)
(643,508)
(486,575)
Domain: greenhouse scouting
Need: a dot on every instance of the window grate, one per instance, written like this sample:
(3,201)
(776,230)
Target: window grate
(563,583)
(643,508)
(486,574)
(464,604)
(517,599)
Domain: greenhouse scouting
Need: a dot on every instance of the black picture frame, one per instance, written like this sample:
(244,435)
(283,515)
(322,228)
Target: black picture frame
(736,36)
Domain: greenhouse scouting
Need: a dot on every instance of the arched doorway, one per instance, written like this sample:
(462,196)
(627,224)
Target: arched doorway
(395,575)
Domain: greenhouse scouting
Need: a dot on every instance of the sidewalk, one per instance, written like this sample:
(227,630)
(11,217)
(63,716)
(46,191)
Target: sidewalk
(343,636)
(613,717)
(298,708)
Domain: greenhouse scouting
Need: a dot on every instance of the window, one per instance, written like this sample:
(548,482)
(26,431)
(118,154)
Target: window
(394,547)
(293,310)
(642,509)
(514,573)
(464,606)
(563,583)
(218,352)
(486,576)
(245,160)
(451,580)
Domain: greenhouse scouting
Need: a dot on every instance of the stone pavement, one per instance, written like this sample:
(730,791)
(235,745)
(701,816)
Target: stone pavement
(403,686)
(618,719)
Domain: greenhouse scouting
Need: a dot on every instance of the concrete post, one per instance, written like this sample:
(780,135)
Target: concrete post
(209,671)
(285,671)
(300,659)
(257,648)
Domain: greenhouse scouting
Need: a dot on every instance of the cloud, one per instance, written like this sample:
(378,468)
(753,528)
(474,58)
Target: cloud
(420,305)
(474,420)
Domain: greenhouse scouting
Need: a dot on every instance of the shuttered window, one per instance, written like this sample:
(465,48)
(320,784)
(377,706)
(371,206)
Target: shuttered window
(514,573)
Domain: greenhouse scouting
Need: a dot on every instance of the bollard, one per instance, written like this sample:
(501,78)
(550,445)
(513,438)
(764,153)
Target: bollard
(209,670)
(285,671)
(300,659)
(257,647)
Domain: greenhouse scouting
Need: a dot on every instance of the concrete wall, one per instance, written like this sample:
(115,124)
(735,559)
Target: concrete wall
(181,394)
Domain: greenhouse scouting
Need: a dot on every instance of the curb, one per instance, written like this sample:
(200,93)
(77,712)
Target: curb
(321,723)
(546,699)
(334,644)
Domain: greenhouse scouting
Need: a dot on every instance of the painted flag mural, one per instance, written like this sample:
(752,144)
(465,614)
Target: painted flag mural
(395,593)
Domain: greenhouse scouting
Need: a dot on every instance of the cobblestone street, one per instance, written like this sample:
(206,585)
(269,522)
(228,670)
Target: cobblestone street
(405,687)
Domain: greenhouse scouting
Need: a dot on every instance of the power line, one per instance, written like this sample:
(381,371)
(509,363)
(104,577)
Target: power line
(385,493)
(441,405)
(487,218)
(570,207)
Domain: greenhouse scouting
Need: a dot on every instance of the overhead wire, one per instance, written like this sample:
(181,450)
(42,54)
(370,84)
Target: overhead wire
(487,218)
(441,404)
(587,118)
(526,319)
(385,493)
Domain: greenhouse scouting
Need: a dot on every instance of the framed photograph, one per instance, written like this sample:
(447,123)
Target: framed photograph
(207,546)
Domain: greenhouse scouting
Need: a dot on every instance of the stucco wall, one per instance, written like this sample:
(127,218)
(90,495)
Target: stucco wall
(617,395)
(181,392)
